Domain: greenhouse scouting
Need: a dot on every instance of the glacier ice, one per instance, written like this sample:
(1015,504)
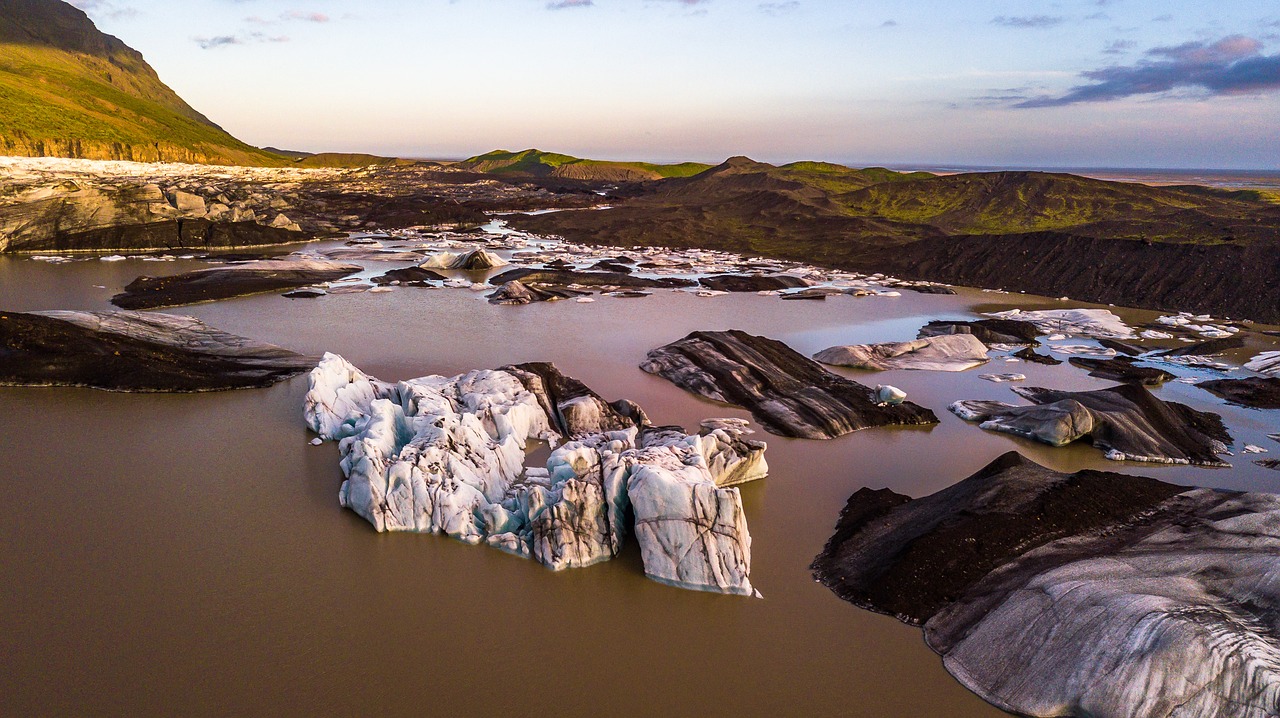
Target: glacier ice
(446,455)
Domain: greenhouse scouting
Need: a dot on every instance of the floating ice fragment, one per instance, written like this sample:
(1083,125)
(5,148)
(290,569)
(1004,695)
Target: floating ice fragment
(1003,378)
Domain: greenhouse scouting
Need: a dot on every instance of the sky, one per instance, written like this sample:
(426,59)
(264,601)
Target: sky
(1073,83)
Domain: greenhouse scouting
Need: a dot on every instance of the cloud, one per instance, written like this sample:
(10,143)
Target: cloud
(307,16)
(1119,47)
(1027,21)
(209,43)
(889,23)
(778,8)
(217,41)
(1233,65)
(565,4)
(289,16)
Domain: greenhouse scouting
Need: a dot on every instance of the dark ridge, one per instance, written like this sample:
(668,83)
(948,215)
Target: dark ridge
(1254,392)
(561,397)
(409,274)
(1202,278)
(562,277)
(167,235)
(911,558)
(1123,369)
(1122,347)
(1031,355)
(988,331)
(788,393)
(206,285)
(37,350)
(1209,348)
(751,282)
(1126,418)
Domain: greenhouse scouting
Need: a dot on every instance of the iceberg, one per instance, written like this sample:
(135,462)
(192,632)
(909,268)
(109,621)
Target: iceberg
(446,455)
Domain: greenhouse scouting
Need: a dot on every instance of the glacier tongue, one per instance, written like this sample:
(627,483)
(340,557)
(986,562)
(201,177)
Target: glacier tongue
(446,455)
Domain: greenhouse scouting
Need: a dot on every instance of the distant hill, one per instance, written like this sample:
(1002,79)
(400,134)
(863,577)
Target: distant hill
(1006,202)
(536,163)
(300,158)
(294,155)
(1168,248)
(347,159)
(68,90)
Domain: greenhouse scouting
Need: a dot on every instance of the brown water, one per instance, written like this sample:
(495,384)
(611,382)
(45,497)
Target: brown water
(186,555)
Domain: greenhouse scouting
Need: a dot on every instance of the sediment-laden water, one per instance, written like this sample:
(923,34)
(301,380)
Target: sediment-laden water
(185,554)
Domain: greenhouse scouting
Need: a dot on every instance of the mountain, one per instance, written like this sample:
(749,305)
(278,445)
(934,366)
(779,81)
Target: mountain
(1166,248)
(69,90)
(536,163)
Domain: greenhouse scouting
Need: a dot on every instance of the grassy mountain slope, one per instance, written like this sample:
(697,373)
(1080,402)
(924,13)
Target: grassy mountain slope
(833,178)
(536,163)
(68,90)
(1004,202)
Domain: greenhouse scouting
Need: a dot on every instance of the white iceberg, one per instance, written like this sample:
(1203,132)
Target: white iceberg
(1098,323)
(446,455)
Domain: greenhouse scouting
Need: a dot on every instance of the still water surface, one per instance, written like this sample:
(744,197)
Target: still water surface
(186,555)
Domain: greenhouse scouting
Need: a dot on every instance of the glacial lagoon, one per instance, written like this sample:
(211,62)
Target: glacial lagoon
(189,550)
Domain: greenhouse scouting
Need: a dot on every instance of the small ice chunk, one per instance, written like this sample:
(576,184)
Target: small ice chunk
(891,395)
(1003,378)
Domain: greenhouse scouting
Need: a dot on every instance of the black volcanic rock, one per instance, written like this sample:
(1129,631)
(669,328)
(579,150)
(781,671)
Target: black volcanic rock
(1203,349)
(135,352)
(1085,594)
(788,393)
(573,406)
(199,234)
(1123,347)
(1254,392)
(608,265)
(930,289)
(1123,369)
(1193,276)
(562,277)
(215,283)
(939,546)
(409,274)
(1031,355)
(518,293)
(1127,422)
(988,331)
(751,282)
